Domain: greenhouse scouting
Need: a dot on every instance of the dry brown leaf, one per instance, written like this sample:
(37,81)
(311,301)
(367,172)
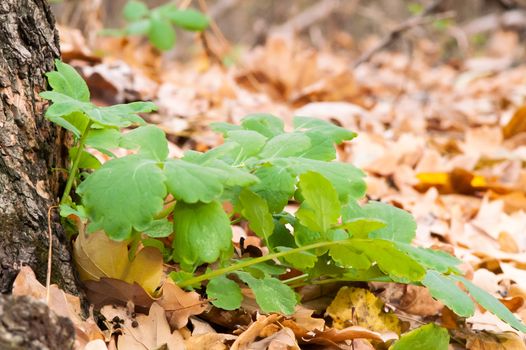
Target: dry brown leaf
(113,291)
(492,341)
(142,332)
(281,340)
(62,304)
(517,123)
(245,339)
(332,337)
(180,305)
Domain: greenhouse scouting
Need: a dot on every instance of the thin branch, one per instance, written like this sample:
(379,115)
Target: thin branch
(423,18)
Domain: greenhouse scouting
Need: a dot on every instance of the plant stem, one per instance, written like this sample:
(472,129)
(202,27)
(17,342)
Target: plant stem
(246,263)
(75,165)
(166,211)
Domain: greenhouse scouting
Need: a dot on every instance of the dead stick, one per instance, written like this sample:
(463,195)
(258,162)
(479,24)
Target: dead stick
(50,252)
(398,31)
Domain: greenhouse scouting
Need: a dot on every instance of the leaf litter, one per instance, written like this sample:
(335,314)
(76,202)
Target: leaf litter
(445,142)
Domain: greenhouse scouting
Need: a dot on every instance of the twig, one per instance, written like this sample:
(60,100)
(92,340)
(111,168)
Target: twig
(309,16)
(50,251)
(423,18)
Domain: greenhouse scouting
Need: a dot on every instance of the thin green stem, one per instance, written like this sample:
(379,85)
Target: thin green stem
(247,263)
(75,165)
(293,280)
(166,211)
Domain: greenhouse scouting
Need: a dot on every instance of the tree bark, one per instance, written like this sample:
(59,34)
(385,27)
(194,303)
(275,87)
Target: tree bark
(30,146)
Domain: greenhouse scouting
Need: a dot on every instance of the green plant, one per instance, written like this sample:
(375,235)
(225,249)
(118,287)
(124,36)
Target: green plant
(257,170)
(158,23)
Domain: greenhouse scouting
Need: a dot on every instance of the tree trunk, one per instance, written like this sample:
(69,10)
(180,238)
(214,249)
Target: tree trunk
(30,146)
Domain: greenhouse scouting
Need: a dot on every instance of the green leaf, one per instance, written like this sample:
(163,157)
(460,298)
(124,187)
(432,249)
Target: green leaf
(333,132)
(159,228)
(124,193)
(491,304)
(67,81)
(68,117)
(401,226)
(66,210)
(445,290)
(321,207)
(347,257)
(118,115)
(135,10)
(276,186)
(149,139)
(268,268)
(428,337)
(202,233)
(121,115)
(224,293)
(346,179)
(321,147)
(250,143)
(285,145)
(188,19)
(104,140)
(266,124)
(302,260)
(140,27)
(193,182)
(87,160)
(271,294)
(390,260)
(361,227)
(161,34)
(305,236)
(224,128)
(432,259)
(255,210)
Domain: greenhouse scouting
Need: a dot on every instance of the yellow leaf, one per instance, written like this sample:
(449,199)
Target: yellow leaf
(359,307)
(517,123)
(98,256)
(146,269)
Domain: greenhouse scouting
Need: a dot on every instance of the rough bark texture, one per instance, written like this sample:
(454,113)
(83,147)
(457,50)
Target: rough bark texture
(29,146)
(27,324)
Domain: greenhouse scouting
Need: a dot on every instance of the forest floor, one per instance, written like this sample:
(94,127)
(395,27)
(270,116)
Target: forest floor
(443,139)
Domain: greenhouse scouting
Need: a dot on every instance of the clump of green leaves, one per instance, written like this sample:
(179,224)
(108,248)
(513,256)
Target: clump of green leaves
(158,23)
(257,171)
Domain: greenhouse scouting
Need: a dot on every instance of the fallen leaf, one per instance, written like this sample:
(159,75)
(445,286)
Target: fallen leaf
(142,332)
(360,307)
(332,337)
(493,341)
(62,304)
(281,340)
(245,339)
(97,256)
(180,305)
(517,123)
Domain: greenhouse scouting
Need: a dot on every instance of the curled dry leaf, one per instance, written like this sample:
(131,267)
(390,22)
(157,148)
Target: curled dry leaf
(245,339)
(332,337)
